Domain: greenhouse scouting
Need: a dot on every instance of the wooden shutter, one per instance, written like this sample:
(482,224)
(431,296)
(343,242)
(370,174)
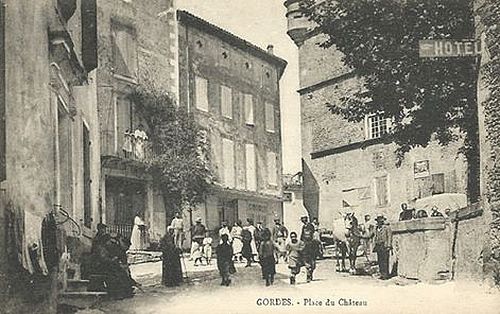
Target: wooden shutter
(438,183)
(251,169)
(249,118)
(226,102)
(123,119)
(201,96)
(272,172)
(87,211)
(228,162)
(2,94)
(124,50)
(269,117)
(382,191)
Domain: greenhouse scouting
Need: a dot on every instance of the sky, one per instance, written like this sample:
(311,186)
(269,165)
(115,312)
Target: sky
(262,22)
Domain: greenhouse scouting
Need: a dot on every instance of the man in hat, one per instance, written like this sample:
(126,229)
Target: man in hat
(198,232)
(382,246)
(310,251)
(280,233)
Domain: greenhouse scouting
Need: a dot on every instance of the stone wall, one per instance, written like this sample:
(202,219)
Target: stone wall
(225,60)
(423,248)
(340,163)
(469,249)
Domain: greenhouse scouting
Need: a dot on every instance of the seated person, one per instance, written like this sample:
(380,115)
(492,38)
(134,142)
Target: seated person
(421,213)
(406,213)
(435,212)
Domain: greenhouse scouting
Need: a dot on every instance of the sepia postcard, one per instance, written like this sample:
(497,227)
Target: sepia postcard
(266,156)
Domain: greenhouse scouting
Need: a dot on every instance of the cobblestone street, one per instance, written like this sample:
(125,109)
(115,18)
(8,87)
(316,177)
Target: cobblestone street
(248,291)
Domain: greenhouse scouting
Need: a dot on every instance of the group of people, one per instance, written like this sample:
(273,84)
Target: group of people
(108,268)
(411,213)
(267,246)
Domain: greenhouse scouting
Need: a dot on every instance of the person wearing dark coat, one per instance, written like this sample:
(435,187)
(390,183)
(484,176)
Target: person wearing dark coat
(383,246)
(311,248)
(246,250)
(171,261)
(266,257)
(119,283)
(225,264)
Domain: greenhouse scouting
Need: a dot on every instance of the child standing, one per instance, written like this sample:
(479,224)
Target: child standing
(207,249)
(294,249)
(224,253)
(266,257)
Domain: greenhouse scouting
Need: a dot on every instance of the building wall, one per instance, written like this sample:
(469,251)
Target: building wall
(30,112)
(338,163)
(153,23)
(202,54)
(42,78)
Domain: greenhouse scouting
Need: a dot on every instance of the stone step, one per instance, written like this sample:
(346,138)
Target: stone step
(77,285)
(81,300)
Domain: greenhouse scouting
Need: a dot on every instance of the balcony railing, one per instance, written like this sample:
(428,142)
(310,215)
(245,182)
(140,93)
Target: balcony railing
(122,229)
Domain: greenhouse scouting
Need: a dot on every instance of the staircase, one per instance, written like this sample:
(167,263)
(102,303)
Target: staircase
(75,293)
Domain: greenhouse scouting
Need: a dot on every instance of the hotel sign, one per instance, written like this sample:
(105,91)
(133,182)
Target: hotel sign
(446,48)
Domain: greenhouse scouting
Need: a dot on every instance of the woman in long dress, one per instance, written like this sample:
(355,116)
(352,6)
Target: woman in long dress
(237,243)
(171,261)
(136,239)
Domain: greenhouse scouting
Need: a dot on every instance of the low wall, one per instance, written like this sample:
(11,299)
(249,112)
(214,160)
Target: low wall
(471,230)
(423,248)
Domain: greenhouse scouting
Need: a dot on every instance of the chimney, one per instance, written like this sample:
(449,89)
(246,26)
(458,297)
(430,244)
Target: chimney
(270,49)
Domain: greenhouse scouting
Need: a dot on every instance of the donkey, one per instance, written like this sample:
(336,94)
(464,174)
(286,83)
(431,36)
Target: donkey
(347,236)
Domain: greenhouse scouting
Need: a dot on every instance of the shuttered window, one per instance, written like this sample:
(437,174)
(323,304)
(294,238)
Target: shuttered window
(226,102)
(251,167)
(382,191)
(124,112)
(438,183)
(269,117)
(201,96)
(87,211)
(228,163)
(248,103)
(124,50)
(272,171)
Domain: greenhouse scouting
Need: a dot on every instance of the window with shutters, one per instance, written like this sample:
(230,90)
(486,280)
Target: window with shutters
(272,171)
(229,177)
(269,117)
(2,95)
(226,98)
(248,104)
(251,167)
(124,50)
(124,119)
(438,183)
(87,211)
(382,191)
(201,93)
(64,155)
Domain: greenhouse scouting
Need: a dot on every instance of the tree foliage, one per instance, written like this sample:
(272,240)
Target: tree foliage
(427,99)
(179,161)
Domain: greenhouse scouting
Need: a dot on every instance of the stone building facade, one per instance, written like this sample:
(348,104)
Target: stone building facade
(232,87)
(137,47)
(352,166)
(50,169)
